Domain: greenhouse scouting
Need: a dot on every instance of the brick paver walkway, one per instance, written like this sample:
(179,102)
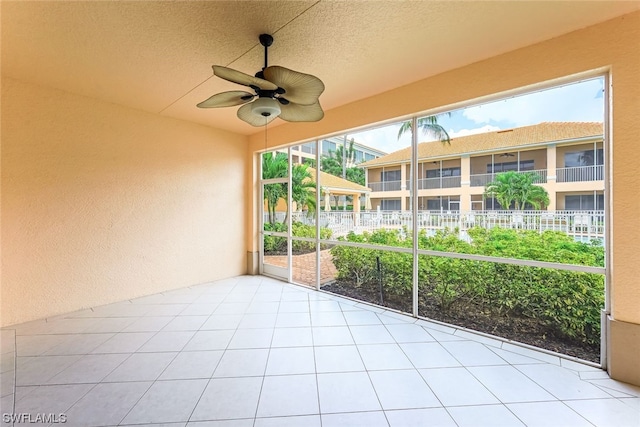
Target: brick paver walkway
(304,267)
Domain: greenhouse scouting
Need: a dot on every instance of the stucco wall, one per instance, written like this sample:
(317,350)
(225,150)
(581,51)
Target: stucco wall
(102,203)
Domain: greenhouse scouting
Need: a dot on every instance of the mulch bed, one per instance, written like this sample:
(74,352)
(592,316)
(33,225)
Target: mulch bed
(520,329)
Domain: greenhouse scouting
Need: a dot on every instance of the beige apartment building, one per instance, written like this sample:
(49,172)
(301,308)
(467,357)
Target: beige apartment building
(566,157)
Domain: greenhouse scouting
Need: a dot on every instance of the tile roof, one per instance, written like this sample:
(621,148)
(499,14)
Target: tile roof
(335,182)
(488,141)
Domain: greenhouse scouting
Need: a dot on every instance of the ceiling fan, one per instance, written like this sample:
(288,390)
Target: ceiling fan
(279,92)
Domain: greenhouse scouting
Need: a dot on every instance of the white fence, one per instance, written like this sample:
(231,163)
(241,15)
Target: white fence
(583,225)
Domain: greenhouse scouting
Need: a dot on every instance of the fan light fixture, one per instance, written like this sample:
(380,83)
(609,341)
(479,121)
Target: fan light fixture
(278,92)
(265,107)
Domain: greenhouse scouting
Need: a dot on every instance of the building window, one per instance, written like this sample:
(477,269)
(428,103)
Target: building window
(390,204)
(584,158)
(368,157)
(328,146)
(388,176)
(447,203)
(359,156)
(525,165)
(584,202)
(437,173)
(309,148)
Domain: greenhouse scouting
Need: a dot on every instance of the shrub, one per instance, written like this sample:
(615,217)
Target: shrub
(277,244)
(567,301)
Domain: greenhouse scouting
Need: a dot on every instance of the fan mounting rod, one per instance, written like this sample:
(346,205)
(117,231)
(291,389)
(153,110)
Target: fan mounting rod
(266,40)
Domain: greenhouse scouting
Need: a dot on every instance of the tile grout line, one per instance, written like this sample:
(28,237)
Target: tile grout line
(266,365)
(562,401)
(365,367)
(153,382)
(418,371)
(315,365)
(158,378)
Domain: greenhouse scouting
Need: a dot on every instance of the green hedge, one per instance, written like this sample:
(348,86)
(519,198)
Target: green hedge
(278,244)
(568,301)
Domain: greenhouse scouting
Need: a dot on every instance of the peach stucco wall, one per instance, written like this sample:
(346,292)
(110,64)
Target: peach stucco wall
(613,45)
(102,203)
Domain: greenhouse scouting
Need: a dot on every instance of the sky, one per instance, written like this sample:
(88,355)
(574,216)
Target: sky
(577,102)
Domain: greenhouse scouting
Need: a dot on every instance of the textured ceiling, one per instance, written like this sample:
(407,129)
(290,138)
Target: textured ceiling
(157,56)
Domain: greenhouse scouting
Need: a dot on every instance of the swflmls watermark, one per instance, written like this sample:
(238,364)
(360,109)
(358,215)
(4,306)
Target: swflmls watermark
(22,418)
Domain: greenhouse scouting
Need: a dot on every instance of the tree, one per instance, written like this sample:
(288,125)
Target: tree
(274,165)
(341,163)
(303,187)
(429,126)
(355,174)
(518,189)
(345,156)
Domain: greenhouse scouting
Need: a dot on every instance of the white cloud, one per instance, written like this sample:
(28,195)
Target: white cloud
(466,132)
(576,102)
(383,138)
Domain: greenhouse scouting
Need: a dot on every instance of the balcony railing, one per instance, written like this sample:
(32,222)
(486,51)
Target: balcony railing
(582,225)
(385,186)
(432,183)
(481,180)
(580,173)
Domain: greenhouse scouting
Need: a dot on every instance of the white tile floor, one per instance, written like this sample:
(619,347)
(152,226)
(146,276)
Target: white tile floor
(255,352)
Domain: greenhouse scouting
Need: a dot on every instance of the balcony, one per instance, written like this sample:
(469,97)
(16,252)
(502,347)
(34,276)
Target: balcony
(385,185)
(434,183)
(481,180)
(580,174)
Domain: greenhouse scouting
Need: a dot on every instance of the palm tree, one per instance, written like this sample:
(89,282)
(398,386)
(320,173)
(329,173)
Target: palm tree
(303,187)
(345,156)
(501,188)
(517,188)
(339,161)
(526,192)
(274,165)
(429,126)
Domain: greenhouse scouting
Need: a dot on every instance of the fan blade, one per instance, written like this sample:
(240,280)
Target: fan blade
(303,89)
(245,113)
(227,99)
(242,78)
(301,113)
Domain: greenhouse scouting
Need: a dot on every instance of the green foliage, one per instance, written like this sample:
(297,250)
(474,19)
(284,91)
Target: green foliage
(303,187)
(276,165)
(518,189)
(355,174)
(341,163)
(278,244)
(275,244)
(569,302)
(429,126)
(361,265)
